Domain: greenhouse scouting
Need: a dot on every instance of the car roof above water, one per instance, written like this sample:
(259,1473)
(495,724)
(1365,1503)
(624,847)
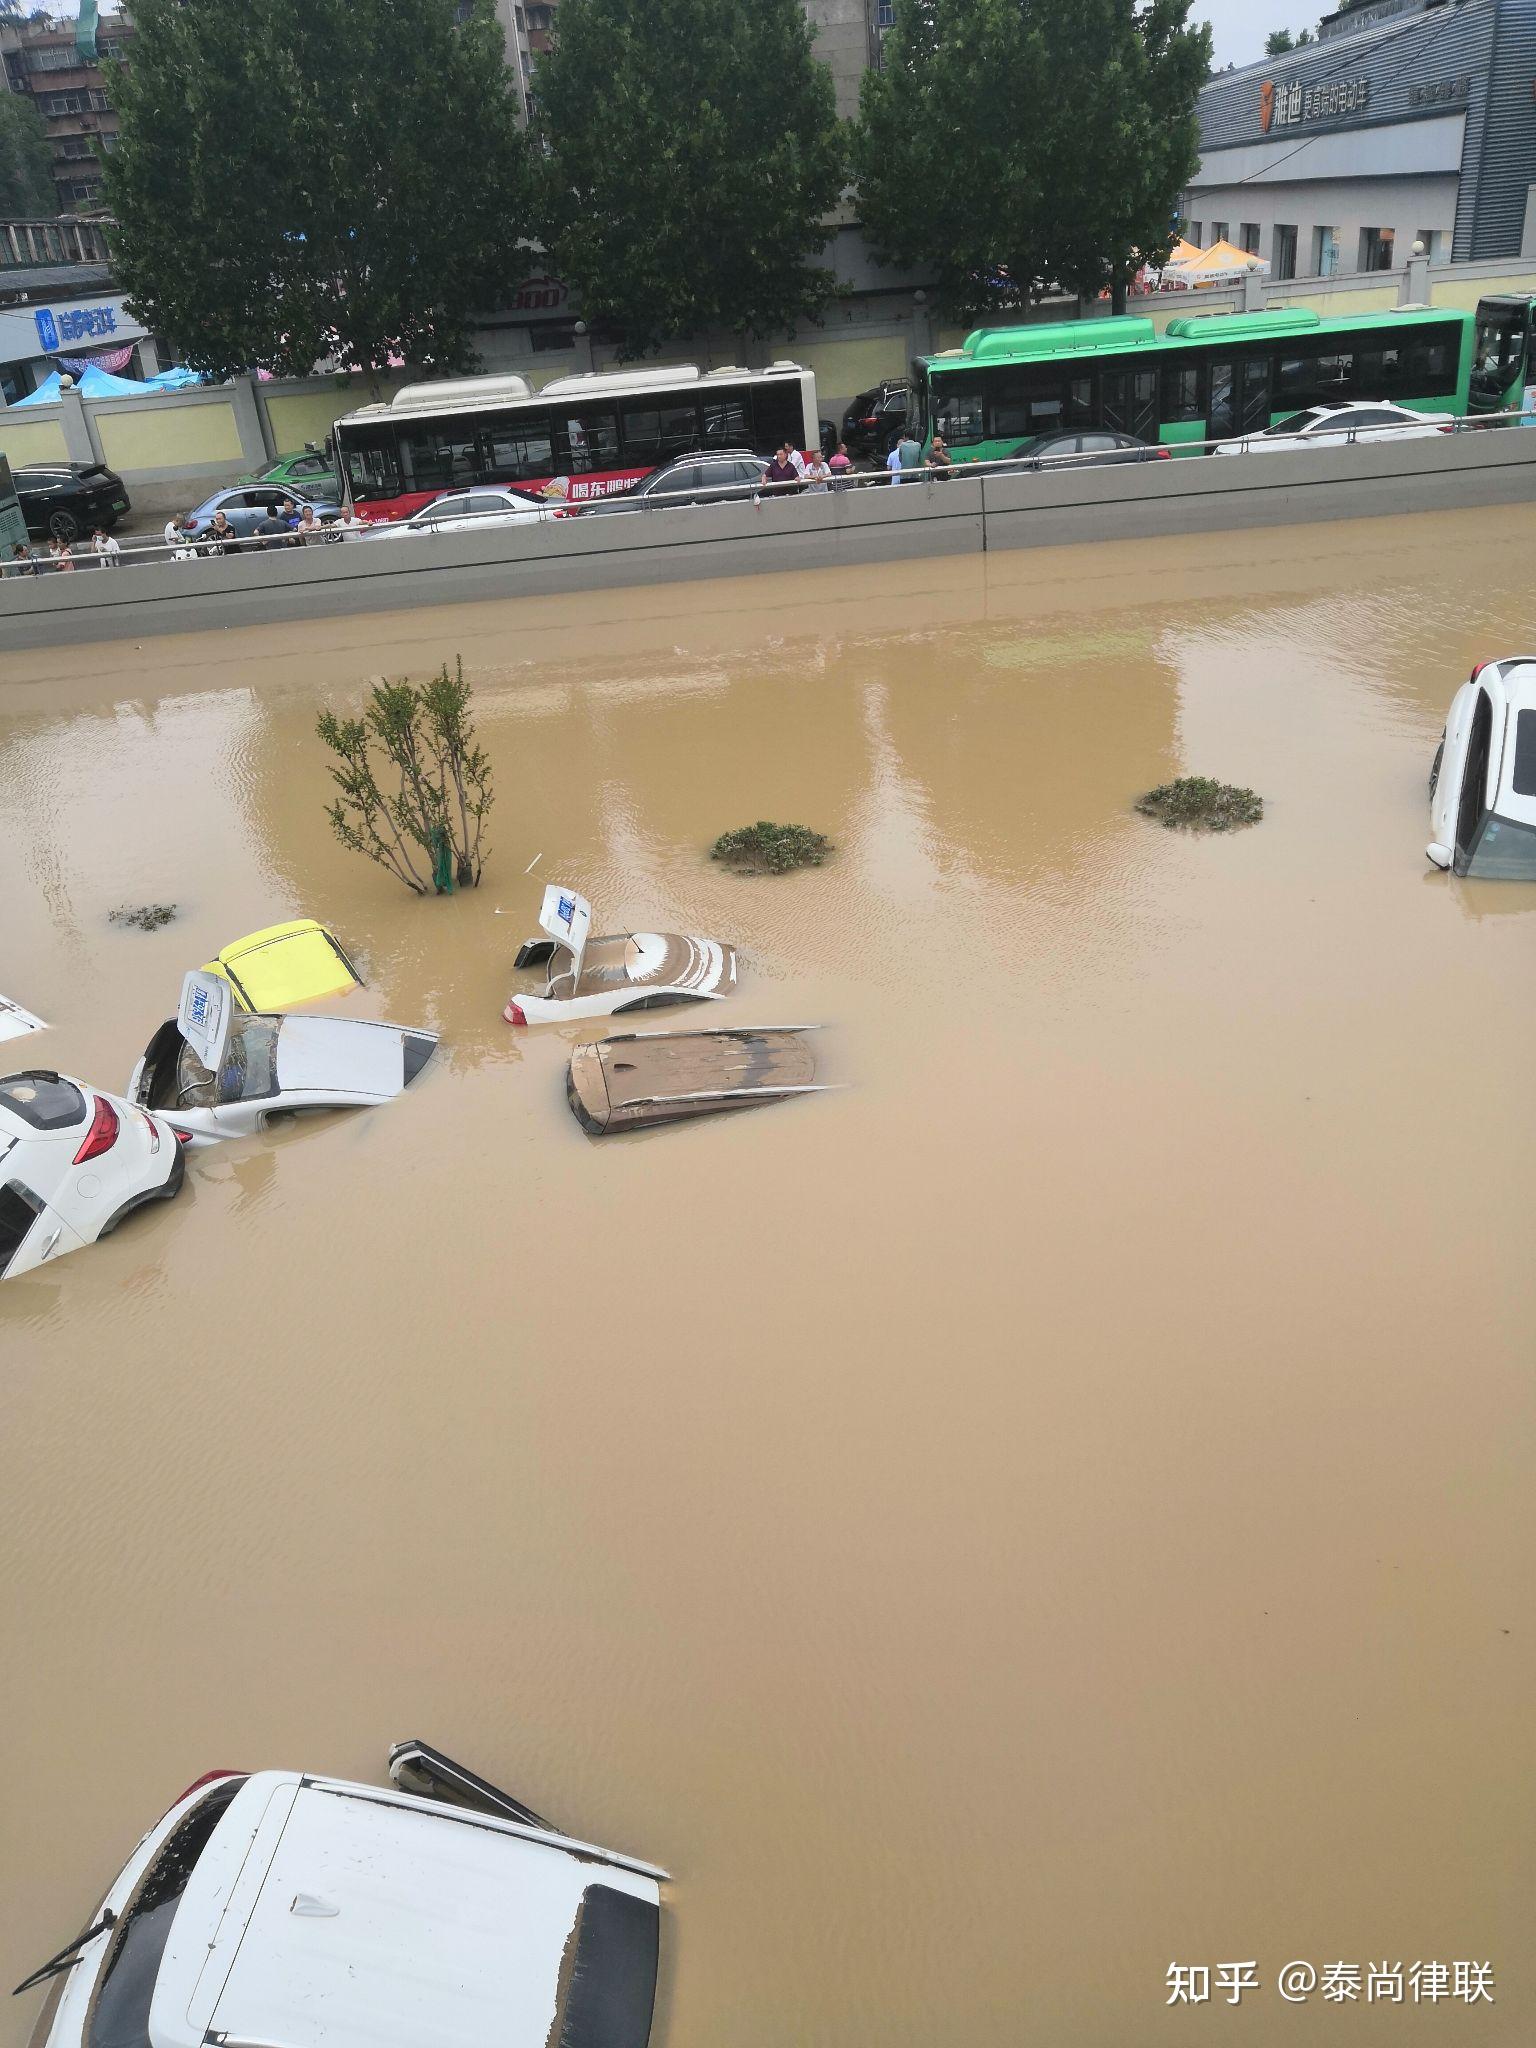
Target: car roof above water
(328,1915)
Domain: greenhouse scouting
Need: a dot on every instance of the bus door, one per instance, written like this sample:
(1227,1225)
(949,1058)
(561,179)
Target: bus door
(1128,402)
(586,443)
(1240,397)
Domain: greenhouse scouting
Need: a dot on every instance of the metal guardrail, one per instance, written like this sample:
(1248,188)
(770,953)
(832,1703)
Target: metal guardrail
(199,546)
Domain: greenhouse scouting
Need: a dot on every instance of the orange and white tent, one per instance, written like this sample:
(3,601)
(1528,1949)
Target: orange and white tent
(1222,263)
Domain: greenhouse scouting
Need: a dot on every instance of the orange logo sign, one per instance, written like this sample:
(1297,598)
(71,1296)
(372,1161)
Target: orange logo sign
(1266,104)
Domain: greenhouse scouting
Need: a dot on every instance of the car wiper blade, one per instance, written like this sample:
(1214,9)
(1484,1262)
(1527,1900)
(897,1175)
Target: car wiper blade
(66,1956)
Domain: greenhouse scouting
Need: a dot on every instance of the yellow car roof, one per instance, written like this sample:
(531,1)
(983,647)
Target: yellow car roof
(287,963)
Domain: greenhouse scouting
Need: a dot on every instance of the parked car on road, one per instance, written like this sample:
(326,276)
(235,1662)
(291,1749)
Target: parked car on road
(663,1077)
(245,506)
(605,977)
(311,471)
(1090,449)
(1482,786)
(718,478)
(1335,426)
(485,507)
(875,418)
(227,1065)
(74,1161)
(62,500)
(283,1906)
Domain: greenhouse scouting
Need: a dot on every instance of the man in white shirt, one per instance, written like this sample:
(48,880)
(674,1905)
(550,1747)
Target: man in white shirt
(105,549)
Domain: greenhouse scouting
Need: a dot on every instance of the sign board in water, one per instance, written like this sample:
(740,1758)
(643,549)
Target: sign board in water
(13,527)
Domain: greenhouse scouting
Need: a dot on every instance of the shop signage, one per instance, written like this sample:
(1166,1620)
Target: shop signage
(1444,92)
(540,295)
(1288,105)
(80,323)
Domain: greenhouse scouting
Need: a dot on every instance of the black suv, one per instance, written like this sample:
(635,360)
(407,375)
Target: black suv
(874,420)
(62,500)
(716,478)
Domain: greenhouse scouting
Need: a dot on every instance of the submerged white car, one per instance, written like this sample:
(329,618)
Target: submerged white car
(1482,786)
(609,977)
(73,1163)
(465,512)
(225,1066)
(1336,426)
(284,1908)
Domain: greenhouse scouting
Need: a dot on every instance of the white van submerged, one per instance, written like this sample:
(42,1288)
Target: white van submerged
(295,1911)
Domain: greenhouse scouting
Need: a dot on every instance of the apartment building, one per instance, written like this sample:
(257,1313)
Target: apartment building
(58,63)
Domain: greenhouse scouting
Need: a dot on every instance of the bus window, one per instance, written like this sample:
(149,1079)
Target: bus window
(1253,383)
(373,465)
(1498,355)
(655,431)
(516,449)
(1377,372)
(1036,398)
(591,437)
(957,410)
(1080,406)
(1220,418)
(1431,363)
(1130,401)
(437,455)
(1183,405)
(778,415)
(726,419)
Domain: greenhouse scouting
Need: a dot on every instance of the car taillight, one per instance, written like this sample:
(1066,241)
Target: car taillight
(514,1014)
(1446,427)
(102,1135)
(872,421)
(1165,454)
(182,1137)
(1477,671)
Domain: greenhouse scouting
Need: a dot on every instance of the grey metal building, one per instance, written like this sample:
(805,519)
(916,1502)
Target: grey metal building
(1406,121)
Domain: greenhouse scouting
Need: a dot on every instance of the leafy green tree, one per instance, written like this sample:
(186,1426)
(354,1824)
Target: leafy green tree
(1012,145)
(26,161)
(413,783)
(298,179)
(690,153)
(1277,42)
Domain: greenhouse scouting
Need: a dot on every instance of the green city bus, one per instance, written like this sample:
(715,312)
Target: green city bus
(1205,377)
(1501,353)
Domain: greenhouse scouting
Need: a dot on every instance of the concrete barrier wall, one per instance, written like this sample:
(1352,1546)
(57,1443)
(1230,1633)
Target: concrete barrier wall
(192,434)
(960,515)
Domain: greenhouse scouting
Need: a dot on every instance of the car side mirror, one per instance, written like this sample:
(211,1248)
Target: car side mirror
(1438,854)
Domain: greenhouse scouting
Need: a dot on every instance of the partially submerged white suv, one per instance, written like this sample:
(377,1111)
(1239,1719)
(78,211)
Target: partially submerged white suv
(286,1909)
(1482,787)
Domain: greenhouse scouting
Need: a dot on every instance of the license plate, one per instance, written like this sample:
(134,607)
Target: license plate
(119,504)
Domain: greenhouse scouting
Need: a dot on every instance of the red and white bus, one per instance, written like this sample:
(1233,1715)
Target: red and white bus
(580,437)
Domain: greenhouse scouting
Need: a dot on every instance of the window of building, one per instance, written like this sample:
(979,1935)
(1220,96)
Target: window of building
(1283,261)
(1193,231)
(1218,231)
(885,13)
(1376,248)
(553,334)
(1325,252)
(13,382)
(1249,233)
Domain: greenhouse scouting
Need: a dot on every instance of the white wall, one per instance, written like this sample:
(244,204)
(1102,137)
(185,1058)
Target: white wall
(1410,206)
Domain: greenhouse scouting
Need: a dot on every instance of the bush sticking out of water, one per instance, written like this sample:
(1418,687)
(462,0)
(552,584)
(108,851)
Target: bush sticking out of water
(144,917)
(1197,804)
(768,849)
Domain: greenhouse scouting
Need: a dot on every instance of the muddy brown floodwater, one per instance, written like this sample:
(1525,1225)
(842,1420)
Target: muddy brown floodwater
(1059,1508)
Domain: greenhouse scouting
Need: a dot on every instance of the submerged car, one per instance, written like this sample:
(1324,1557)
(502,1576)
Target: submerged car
(282,1906)
(230,1062)
(15,1022)
(466,512)
(74,1162)
(1482,786)
(1335,426)
(606,977)
(663,1077)
(1096,449)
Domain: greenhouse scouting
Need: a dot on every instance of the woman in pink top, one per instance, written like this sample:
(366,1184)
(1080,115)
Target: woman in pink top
(840,464)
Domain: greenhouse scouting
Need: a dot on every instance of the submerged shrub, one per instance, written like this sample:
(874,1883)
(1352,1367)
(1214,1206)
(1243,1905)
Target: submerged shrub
(144,917)
(769,849)
(1197,804)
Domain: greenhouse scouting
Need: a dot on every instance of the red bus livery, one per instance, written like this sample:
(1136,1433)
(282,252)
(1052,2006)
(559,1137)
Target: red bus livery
(579,437)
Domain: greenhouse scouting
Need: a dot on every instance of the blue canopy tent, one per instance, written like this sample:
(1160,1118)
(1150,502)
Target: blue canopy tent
(95,383)
(47,393)
(177,378)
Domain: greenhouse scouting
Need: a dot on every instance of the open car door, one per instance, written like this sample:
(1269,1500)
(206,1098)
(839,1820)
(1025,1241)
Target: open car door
(285,964)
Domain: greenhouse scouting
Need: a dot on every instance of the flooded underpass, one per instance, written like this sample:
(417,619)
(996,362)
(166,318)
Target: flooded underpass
(1057,1508)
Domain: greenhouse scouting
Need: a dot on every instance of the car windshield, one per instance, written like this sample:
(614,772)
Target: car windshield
(1294,425)
(1505,851)
(119,2015)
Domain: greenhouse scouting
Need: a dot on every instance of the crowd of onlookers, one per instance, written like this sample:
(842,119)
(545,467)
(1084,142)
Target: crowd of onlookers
(793,469)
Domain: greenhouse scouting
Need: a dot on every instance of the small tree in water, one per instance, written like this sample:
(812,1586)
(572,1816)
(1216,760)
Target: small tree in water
(426,829)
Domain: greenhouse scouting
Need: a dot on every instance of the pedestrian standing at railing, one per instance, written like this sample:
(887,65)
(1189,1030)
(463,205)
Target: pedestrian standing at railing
(273,529)
(23,562)
(781,475)
(221,537)
(818,477)
(940,461)
(309,528)
(63,554)
(173,532)
(105,549)
(911,456)
(840,464)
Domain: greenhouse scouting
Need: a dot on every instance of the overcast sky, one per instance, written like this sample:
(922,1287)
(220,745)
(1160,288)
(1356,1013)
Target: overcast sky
(1238,27)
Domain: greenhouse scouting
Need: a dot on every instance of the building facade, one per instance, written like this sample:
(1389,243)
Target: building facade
(1407,121)
(58,64)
